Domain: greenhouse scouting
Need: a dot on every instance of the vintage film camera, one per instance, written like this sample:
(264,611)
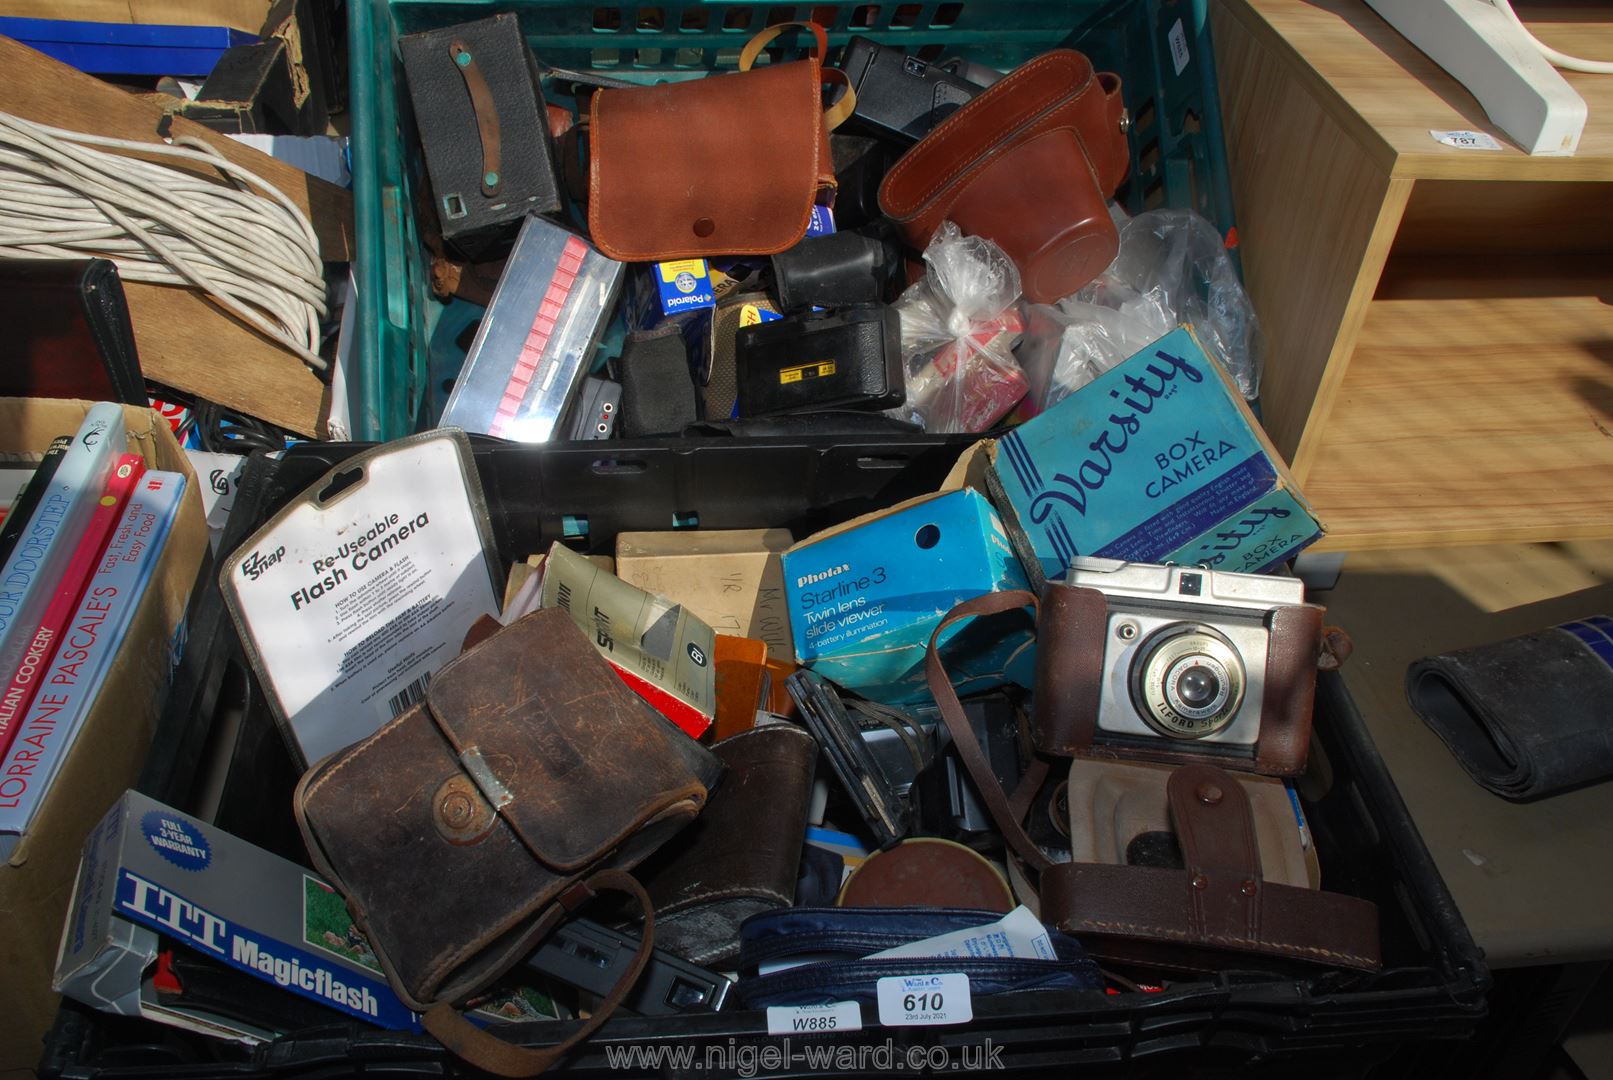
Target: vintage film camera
(1177,664)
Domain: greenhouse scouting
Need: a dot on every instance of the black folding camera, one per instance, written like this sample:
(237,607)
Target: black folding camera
(899,97)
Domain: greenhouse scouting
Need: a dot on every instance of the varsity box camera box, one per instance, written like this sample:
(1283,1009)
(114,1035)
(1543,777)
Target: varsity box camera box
(1157,460)
(37,881)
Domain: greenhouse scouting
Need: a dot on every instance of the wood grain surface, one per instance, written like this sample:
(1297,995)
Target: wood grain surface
(1471,419)
(1375,80)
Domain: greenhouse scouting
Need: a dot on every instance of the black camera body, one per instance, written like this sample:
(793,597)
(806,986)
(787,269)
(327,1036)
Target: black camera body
(846,359)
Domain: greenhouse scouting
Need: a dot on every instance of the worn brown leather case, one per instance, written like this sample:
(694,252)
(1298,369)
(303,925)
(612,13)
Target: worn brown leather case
(742,855)
(1221,910)
(1028,164)
(1114,805)
(725,165)
(1069,670)
(927,871)
(455,830)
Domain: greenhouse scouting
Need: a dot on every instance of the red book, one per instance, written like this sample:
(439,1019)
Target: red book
(91,545)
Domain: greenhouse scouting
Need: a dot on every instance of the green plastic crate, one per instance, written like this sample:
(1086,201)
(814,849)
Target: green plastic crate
(1160,48)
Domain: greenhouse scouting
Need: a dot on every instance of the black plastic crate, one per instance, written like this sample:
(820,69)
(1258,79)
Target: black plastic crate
(1433,984)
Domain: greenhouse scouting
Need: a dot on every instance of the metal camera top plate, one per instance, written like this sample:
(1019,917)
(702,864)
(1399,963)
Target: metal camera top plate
(1151,583)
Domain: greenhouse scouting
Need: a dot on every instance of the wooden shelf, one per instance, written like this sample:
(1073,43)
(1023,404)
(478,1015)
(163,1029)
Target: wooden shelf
(1439,321)
(1471,421)
(1389,95)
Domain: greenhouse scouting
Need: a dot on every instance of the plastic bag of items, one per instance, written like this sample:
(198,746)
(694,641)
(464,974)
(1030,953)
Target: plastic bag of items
(959,328)
(1172,268)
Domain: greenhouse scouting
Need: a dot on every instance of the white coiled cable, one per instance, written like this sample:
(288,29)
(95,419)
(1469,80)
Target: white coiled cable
(69,195)
(1558,59)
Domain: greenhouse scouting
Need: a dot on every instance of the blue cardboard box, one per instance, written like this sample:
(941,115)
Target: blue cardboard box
(1157,460)
(865,597)
(664,290)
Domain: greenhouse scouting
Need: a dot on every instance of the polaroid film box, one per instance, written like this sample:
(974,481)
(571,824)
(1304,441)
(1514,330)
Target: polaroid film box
(1157,460)
(865,596)
(663,290)
(151,866)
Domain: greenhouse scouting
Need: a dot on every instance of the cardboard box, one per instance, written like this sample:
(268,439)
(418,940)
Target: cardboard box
(730,578)
(151,866)
(1157,460)
(865,597)
(659,648)
(37,881)
(665,289)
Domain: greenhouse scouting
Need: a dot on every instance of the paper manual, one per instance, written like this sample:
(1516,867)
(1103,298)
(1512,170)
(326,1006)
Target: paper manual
(1019,935)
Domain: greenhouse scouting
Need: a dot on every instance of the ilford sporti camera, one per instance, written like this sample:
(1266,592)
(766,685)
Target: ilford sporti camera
(1174,663)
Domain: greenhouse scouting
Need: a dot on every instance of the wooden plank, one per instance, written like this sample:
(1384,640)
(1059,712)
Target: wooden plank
(183,339)
(245,15)
(1400,94)
(1316,214)
(187,343)
(38,88)
(1473,419)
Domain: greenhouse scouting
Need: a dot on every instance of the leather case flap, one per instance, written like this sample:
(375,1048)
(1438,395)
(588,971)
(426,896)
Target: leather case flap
(1219,902)
(1005,111)
(1069,668)
(725,165)
(1290,690)
(1217,836)
(544,729)
(1114,803)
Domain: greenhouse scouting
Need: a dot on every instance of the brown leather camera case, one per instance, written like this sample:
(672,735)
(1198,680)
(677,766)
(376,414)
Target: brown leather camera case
(1069,672)
(1028,164)
(1112,803)
(725,165)
(1220,911)
(1220,906)
(741,856)
(462,832)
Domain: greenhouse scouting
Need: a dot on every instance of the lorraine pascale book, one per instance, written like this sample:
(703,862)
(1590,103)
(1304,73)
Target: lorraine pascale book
(28,579)
(46,638)
(87,649)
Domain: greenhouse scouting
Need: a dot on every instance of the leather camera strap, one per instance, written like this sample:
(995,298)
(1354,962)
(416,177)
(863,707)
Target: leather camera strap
(834,115)
(487,1051)
(487,125)
(1219,903)
(1007,813)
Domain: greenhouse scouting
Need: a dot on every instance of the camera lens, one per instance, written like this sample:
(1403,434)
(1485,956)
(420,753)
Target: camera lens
(1187,681)
(1197,686)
